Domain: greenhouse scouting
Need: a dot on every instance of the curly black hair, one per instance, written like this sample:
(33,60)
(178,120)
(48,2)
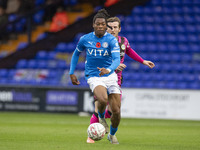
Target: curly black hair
(102,13)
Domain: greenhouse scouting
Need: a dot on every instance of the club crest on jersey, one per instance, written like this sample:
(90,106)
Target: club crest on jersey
(123,47)
(98,45)
(105,45)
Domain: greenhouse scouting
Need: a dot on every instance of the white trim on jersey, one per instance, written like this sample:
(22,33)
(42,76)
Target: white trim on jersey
(114,51)
(78,50)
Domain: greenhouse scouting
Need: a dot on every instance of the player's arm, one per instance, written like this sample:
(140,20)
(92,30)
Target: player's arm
(115,52)
(74,62)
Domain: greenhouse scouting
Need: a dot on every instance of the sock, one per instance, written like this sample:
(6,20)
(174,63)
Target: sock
(101,115)
(113,130)
(108,114)
(94,118)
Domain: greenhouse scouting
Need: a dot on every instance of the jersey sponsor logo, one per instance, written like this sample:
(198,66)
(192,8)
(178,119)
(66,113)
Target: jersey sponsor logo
(98,45)
(98,52)
(105,44)
(123,47)
(90,42)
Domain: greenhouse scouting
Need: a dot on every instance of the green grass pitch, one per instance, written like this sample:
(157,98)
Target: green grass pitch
(46,131)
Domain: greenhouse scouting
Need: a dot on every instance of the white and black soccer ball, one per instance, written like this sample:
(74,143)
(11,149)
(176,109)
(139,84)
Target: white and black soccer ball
(96,131)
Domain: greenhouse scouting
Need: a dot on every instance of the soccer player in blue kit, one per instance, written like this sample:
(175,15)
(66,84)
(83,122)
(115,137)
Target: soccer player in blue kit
(102,58)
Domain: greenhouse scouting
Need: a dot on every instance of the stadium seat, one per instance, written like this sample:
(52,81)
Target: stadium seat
(22,63)
(3,72)
(32,64)
(41,64)
(41,36)
(22,45)
(52,64)
(20,25)
(38,17)
(61,47)
(171,85)
(42,55)
(39,2)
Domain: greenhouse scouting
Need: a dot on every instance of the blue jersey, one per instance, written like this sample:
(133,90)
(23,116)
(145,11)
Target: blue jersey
(100,52)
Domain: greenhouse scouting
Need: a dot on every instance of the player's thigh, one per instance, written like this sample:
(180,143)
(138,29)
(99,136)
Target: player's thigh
(100,92)
(115,102)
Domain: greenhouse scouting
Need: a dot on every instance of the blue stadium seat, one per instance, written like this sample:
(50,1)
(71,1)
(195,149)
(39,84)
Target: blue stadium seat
(138,28)
(194,85)
(51,55)
(182,85)
(129,19)
(20,25)
(71,47)
(77,37)
(4,81)
(183,48)
(42,55)
(160,85)
(171,85)
(61,47)
(39,2)
(136,84)
(41,36)
(22,63)
(150,38)
(177,10)
(3,72)
(175,57)
(171,38)
(180,28)
(52,64)
(42,64)
(156,77)
(32,64)
(194,47)
(11,73)
(38,17)
(137,10)
(192,38)
(22,45)
(62,64)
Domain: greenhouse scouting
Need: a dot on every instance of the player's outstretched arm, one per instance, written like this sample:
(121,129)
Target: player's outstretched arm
(149,64)
(74,79)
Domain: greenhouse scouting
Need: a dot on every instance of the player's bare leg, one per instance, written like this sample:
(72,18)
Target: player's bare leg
(115,104)
(101,94)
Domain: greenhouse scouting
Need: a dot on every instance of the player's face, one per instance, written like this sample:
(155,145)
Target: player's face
(100,27)
(115,28)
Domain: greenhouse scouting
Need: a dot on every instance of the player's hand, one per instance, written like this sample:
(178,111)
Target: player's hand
(121,67)
(103,71)
(74,79)
(149,64)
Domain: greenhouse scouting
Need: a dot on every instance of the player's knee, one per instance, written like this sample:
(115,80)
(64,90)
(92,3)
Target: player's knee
(116,110)
(103,100)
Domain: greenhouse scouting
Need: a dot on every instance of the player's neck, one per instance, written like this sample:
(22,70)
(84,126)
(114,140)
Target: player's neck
(117,37)
(99,36)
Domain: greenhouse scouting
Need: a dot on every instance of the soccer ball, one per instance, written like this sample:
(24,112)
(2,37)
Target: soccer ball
(96,131)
